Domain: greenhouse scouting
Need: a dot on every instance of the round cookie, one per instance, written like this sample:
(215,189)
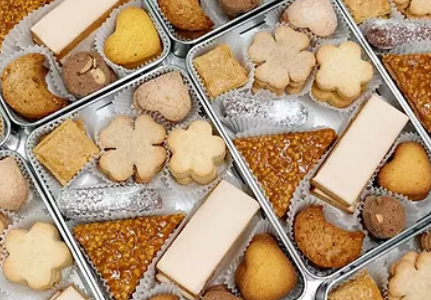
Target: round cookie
(85,73)
(384,217)
(234,8)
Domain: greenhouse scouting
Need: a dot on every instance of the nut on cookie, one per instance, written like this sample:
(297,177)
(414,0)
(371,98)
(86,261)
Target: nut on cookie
(196,153)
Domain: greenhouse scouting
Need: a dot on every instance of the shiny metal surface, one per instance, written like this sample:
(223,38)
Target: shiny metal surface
(166,43)
(5,135)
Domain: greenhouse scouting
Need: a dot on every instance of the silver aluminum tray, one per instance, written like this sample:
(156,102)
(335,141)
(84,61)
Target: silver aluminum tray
(242,33)
(166,43)
(5,126)
(181,47)
(98,110)
(386,76)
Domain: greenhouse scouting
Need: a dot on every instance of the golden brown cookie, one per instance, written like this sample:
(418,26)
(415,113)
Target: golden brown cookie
(332,98)
(25,89)
(324,244)
(185,14)
(363,287)
(408,172)
(362,10)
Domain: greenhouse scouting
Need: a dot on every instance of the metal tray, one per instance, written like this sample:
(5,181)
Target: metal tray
(242,33)
(5,126)
(166,44)
(96,111)
(385,75)
(180,47)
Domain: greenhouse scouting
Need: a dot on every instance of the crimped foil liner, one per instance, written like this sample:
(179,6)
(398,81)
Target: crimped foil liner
(194,190)
(272,19)
(236,43)
(53,79)
(123,101)
(371,87)
(160,289)
(148,279)
(332,215)
(302,118)
(16,291)
(45,175)
(108,28)
(263,226)
(424,206)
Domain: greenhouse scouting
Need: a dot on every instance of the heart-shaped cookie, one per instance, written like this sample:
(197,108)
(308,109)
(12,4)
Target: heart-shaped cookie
(317,15)
(135,39)
(408,172)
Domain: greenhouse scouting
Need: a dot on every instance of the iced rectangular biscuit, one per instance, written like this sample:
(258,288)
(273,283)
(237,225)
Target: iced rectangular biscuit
(64,27)
(352,162)
(71,293)
(198,250)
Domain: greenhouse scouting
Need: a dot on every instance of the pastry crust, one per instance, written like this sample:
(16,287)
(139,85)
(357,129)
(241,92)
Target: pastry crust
(185,14)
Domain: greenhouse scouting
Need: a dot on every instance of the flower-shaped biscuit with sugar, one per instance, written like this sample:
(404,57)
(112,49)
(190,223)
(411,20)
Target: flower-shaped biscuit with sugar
(196,153)
(132,147)
(283,63)
(411,277)
(36,257)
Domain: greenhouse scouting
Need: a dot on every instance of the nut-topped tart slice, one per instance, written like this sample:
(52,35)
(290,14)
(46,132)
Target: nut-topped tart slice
(281,161)
(122,250)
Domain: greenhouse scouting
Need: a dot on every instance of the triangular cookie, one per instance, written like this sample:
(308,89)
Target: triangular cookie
(412,75)
(122,250)
(281,161)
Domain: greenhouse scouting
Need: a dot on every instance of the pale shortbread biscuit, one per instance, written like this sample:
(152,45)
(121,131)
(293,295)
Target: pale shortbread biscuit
(317,15)
(166,94)
(362,10)
(132,147)
(410,277)
(281,59)
(332,98)
(13,186)
(196,153)
(342,70)
(36,256)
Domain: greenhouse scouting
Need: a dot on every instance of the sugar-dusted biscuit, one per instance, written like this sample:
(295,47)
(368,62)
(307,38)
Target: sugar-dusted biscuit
(408,172)
(220,71)
(410,277)
(185,14)
(196,153)
(362,10)
(13,186)
(66,150)
(166,94)
(317,15)
(36,256)
(24,87)
(135,39)
(281,59)
(342,70)
(324,244)
(132,147)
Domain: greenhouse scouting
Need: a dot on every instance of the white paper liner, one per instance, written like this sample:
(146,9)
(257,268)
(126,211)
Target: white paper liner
(241,124)
(194,189)
(148,279)
(53,79)
(17,291)
(371,87)
(123,101)
(423,206)
(332,215)
(412,48)
(108,28)
(263,226)
(272,19)
(160,289)
(236,43)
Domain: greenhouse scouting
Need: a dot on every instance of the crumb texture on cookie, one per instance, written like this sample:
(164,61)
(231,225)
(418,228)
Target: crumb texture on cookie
(132,148)
(324,244)
(36,256)
(13,185)
(196,153)
(166,94)
(24,88)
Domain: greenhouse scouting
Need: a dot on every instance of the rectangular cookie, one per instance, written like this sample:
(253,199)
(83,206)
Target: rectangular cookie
(362,10)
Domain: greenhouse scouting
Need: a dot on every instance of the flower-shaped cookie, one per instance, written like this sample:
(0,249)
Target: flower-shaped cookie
(411,277)
(342,70)
(129,148)
(36,257)
(283,62)
(196,153)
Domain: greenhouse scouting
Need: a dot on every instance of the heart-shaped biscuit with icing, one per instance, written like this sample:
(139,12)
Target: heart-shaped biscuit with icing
(135,39)
(317,15)
(408,173)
